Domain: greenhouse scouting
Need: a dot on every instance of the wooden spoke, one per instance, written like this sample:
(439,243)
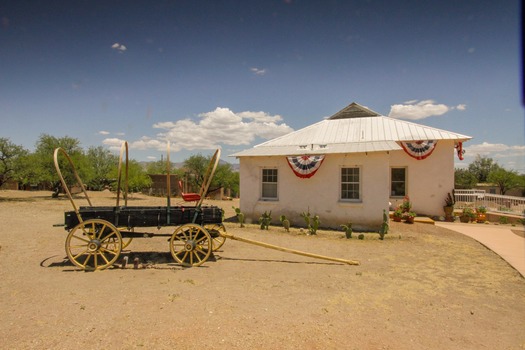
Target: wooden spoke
(216,231)
(101,246)
(190,245)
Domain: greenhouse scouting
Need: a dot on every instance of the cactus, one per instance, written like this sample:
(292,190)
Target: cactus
(312,224)
(315,225)
(265,220)
(384,226)
(348,229)
(285,222)
(240,216)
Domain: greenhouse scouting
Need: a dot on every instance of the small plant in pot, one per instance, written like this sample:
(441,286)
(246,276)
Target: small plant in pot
(467,215)
(449,208)
(406,205)
(398,215)
(481,214)
(409,217)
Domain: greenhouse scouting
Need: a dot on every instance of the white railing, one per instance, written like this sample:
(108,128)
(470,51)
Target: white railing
(493,202)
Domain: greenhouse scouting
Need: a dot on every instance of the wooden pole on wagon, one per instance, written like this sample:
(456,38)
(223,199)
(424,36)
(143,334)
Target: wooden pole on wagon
(287,250)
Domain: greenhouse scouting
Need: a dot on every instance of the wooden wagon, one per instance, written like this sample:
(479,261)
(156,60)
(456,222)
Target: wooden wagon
(97,235)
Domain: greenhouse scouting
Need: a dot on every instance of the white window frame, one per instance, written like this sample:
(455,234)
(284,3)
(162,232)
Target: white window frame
(392,182)
(359,184)
(263,183)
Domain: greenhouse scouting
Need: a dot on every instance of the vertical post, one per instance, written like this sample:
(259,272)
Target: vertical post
(168,186)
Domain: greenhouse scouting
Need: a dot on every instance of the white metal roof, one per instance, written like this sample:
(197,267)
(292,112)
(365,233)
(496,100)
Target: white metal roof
(354,129)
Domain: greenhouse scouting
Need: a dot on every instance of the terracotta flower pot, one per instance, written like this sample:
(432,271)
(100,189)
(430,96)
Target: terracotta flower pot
(481,217)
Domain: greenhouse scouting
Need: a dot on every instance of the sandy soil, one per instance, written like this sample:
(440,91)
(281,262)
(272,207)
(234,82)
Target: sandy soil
(423,287)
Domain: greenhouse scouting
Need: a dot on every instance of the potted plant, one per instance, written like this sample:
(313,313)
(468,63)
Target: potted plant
(481,214)
(449,208)
(467,215)
(398,215)
(406,205)
(409,217)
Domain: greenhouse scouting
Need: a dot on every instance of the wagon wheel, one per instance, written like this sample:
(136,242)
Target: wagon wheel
(93,244)
(190,245)
(217,239)
(127,240)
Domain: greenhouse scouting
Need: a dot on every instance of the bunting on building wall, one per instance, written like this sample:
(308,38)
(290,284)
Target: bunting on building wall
(305,166)
(419,149)
(460,150)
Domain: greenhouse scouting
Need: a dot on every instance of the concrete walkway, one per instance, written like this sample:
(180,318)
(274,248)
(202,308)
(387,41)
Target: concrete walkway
(500,239)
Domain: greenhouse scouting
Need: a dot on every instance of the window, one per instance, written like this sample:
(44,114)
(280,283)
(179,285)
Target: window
(398,182)
(269,184)
(350,184)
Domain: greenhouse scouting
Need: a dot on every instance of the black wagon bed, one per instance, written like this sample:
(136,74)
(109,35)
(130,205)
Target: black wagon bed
(130,217)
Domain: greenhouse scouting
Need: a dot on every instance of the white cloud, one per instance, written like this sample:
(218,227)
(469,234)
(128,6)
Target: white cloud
(258,71)
(114,144)
(510,157)
(149,143)
(415,109)
(485,148)
(220,126)
(103,132)
(119,47)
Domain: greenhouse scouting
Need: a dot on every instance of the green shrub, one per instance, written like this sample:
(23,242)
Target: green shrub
(348,230)
(312,223)
(503,220)
(285,222)
(240,216)
(265,220)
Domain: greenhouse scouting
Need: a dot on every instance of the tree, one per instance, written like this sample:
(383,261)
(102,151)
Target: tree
(101,162)
(137,177)
(11,157)
(160,167)
(195,168)
(464,179)
(482,166)
(224,176)
(45,171)
(505,179)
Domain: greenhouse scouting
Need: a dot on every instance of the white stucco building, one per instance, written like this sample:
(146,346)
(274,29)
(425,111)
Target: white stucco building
(348,168)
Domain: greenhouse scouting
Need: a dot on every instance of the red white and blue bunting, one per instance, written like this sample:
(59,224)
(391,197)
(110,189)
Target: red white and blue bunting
(419,149)
(459,149)
(305,166)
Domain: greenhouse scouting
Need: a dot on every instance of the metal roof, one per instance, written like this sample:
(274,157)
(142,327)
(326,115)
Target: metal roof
(354,129)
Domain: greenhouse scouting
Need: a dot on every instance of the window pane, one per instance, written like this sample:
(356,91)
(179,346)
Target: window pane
(350,183)
(398,184)
(269,183)
(269,190)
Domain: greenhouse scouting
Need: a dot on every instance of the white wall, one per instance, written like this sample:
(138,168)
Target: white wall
(428,180)
(320,194)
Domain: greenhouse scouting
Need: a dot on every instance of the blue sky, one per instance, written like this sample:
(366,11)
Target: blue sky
(232,74)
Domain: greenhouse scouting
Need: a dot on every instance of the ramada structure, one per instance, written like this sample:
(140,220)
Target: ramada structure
(349,168)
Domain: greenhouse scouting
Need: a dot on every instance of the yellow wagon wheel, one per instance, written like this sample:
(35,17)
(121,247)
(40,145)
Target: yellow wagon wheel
(93,244)
(125,241)
(216,231)
(190,245)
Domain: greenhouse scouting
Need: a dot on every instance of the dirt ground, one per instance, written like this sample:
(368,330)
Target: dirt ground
(423,287)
